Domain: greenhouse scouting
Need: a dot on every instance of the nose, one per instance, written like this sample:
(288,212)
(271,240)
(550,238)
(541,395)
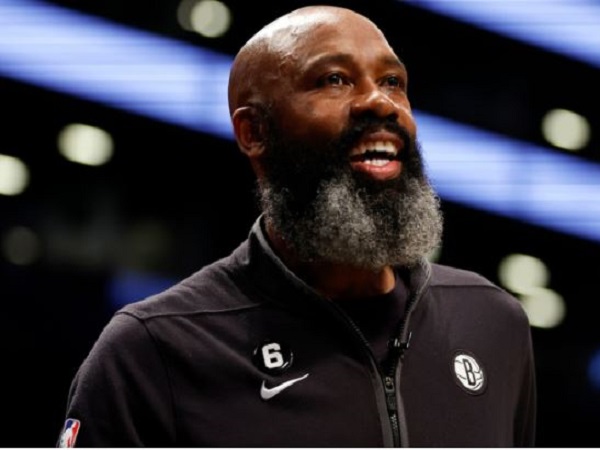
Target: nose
(375,102)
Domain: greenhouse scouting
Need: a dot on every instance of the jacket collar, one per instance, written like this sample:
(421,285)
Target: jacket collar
(265,271)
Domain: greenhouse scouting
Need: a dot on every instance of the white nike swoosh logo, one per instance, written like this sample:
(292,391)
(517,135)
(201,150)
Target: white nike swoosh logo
(267,393)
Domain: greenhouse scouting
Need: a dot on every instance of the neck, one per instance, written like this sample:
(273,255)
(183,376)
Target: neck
(336,281)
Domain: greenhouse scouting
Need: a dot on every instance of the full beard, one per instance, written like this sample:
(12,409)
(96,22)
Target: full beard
(325,212)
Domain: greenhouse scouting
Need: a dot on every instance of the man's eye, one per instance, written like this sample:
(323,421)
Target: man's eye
(334,79)
(393,81)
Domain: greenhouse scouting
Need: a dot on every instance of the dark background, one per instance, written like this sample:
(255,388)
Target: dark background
(169,217)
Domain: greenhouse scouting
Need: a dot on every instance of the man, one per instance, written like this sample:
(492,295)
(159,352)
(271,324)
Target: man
(327,327)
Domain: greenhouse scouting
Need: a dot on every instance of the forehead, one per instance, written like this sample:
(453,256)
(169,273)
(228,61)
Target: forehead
(311,37)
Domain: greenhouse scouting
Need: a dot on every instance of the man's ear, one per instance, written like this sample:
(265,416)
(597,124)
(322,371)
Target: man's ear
(249,130)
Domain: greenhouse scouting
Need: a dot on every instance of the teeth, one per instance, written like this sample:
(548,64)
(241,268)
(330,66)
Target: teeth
(377,162)
(379,146)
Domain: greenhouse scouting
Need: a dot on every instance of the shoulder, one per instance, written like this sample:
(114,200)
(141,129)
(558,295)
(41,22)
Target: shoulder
(466,286)
(443,275)
(217,287)
(123,342)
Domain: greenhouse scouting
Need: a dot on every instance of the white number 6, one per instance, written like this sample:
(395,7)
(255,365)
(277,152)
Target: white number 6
(272,356)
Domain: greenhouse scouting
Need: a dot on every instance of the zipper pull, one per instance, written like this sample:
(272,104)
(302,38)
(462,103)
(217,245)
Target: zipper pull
(400,346)
(390,397)
(390,391)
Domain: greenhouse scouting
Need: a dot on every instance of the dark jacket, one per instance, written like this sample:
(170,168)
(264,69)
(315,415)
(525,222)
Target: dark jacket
(245,354)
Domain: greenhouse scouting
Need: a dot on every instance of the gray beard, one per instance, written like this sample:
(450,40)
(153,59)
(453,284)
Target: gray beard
(348,224)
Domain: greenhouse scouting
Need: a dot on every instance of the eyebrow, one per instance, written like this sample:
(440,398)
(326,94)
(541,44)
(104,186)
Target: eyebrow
(394,61)
(347,58)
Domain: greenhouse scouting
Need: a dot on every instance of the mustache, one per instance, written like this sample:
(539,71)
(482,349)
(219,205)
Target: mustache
(354,132)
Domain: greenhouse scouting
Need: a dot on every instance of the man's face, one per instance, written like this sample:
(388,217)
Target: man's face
(337,71)
(343,177)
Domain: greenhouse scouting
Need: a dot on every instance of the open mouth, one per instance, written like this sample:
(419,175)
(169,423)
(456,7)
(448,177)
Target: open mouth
(378,155)
(379,145)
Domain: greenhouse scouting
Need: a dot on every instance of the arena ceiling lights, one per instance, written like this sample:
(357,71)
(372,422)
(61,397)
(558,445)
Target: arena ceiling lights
(567,27)
(98,60)
(175,82)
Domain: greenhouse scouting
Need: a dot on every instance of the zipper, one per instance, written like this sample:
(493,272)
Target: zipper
(387,376)
(398,347)
(390,395)
(390,399)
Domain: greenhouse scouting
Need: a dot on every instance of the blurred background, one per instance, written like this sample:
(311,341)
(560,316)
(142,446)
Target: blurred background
(119,175)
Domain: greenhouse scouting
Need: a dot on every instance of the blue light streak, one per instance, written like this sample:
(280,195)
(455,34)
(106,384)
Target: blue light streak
(594,370)
(101,61)
(181,84)
(567,27)
(512,178)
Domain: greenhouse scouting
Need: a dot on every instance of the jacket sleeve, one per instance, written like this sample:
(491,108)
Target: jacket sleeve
(120,395)
(526,414)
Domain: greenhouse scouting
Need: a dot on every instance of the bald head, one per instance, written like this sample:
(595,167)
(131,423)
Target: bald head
(258,63)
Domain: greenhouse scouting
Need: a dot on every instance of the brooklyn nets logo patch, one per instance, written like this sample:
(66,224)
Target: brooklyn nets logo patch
(469,373)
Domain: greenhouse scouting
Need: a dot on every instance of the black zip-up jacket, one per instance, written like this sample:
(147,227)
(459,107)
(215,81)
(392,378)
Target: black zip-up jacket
(245,354)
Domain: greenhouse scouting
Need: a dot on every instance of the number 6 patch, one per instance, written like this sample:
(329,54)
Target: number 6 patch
(272,357)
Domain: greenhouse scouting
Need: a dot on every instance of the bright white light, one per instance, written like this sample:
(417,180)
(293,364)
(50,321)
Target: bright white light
(210,18)
(184,11)
(20,246)
(566,129)
(14,175)
(567,27)
(85,144)
(528,276)
(523,273)
(544,307)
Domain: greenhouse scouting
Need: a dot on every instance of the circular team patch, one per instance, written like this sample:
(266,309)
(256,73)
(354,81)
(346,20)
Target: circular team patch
(469,373)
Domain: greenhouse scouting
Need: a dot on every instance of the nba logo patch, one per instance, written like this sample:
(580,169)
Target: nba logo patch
(69,434)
